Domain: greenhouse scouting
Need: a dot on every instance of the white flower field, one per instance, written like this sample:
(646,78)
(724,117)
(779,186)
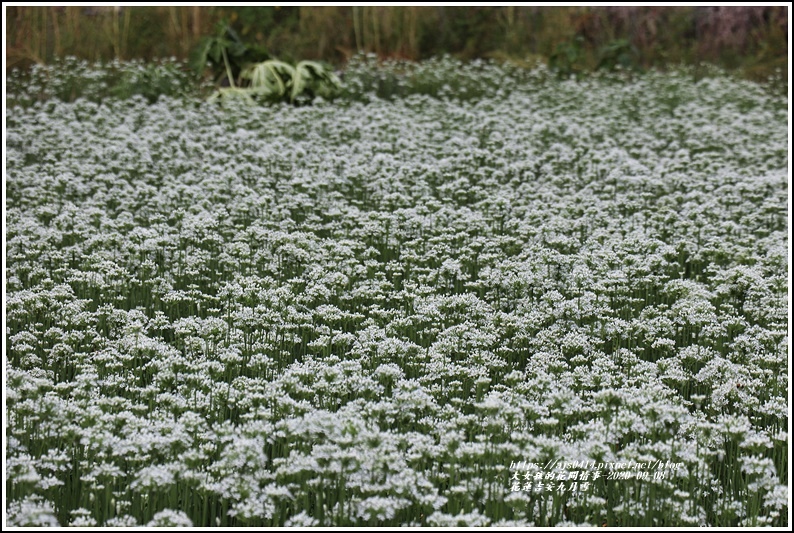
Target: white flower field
(554,303)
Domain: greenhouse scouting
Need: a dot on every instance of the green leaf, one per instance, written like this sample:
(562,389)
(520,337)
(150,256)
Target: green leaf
(272,77)
(200,55)
(230,93)
(315,77)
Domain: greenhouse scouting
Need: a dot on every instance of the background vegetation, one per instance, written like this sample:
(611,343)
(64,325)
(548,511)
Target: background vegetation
(749,39)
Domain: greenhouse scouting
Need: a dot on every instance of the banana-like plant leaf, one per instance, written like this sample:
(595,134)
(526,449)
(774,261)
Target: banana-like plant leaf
(315,77)
(272,75)
(229,93)
(275,79)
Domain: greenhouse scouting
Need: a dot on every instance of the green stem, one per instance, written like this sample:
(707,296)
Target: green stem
(228,69)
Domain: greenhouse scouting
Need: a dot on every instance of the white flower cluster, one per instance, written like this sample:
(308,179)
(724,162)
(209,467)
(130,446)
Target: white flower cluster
(363,313)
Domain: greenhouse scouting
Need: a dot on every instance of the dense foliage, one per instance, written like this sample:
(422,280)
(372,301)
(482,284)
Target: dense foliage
(365,313)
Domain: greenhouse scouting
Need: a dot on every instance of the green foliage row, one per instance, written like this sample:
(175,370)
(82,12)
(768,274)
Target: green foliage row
(364,78)
(71,78)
